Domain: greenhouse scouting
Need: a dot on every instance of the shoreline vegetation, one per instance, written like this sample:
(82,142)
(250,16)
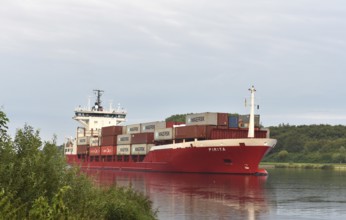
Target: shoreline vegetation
(36,183)
(309,144)
(321,166)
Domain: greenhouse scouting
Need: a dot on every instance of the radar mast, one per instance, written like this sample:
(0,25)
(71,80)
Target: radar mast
(98,106)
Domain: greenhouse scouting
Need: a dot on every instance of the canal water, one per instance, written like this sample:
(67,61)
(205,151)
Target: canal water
(284,194)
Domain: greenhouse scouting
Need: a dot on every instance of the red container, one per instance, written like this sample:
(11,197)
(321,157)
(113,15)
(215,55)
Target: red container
(260,134)
(111,130)
(142,138)
(228,134)
(108,150)
(235,133)
(82,149)
(109,141)
(222,119)
(94,151)
(194,131)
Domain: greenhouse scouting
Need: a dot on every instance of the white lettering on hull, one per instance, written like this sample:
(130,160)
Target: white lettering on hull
(216,149)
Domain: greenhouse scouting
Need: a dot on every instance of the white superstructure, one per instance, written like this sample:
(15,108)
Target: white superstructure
(97,117)
(92,119)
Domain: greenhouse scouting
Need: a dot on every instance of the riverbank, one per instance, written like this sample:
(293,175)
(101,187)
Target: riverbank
(333,166)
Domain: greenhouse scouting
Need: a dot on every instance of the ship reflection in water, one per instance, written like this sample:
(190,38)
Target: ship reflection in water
(195,196)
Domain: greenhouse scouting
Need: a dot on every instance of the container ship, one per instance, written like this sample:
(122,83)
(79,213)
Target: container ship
(208,142)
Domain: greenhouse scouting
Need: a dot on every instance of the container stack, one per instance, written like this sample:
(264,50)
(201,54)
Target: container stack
(86,139)
(136,140)
(82,145)
(199,126)
(194,132)
(124,144)
(141,143)
(109,140)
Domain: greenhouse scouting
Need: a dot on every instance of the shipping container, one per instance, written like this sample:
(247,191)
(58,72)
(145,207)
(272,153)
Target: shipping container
(112,131)
(164,134)
(109,141)
(142,138)
(82,149)
(261,133)
(141,149)
(233,121)
(124,139)
(124,130)
(235,133)
(96,132)
(94,151)
(222,119)
(94,141)
(133,129)
(245,119)
(207,118)
(83,141)
(151,126)
(108,150)
(170,124)
(193,131)
(123,149)
(92,133)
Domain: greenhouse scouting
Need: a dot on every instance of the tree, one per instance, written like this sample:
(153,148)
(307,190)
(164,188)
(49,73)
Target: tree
(283,155)
(7,153)
(177,118)
(36,183)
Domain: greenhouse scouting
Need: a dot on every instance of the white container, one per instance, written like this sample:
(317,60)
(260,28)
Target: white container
(164,134)
(124,139)
(123,149)
(94,141)
(133,129)
(152,126)
(141,149)
(206,118)
(83,140)
(124,129)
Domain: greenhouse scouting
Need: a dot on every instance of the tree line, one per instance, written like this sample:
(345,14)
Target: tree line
(37,183)
(308,144)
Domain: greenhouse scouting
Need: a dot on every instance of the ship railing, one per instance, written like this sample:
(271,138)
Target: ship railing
(86,110)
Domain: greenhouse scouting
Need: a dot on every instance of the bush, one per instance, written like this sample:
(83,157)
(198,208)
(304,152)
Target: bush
(283,155)
(36,183)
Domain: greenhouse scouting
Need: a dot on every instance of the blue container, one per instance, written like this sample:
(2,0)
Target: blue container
(233,121)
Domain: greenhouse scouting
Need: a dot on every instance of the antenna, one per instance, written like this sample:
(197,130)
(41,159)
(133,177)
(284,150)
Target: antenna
(89,102)
(110,105)
(98,94)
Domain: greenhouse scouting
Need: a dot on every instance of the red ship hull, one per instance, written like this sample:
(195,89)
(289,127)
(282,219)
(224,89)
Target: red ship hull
(231,156)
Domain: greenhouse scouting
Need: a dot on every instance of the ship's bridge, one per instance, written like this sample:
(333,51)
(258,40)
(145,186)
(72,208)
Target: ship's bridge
(96,117)
(107,114)
(92,119)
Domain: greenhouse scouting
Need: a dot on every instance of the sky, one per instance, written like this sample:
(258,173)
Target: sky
(163,57)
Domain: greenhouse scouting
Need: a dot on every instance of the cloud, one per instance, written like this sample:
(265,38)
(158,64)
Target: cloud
(173,57)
